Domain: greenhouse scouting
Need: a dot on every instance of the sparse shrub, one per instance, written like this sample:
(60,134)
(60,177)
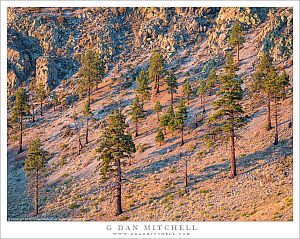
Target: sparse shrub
(101,198)
(61,161)
(124,218)
(62,146)
(65,175)
(173,170)
(209,143)
(192,147)
(83,210)
(204,191)
(142,147)
(74,206)
(170,197)
(67,132)
(164,200)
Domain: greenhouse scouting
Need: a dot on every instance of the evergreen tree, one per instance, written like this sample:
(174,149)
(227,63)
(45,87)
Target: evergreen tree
(187,90)
(157,109)
(202,90)
(262,83)
(87,113)
(228,113)
(160,137)
(20,110)
(236,38)
(115,145)
(211,80)
(143,87)
(172,85)
(156,69)
(181,116)
(41,94)
(76,121)
(90,73)
(167,120)
(137,113)
(34,167)
(278,93)
(55,100)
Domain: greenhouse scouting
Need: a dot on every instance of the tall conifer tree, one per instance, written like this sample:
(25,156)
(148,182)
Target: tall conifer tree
(115,145)
(228,113)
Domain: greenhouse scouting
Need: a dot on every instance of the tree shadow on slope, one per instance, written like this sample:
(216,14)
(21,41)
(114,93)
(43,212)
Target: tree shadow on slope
(157,166)
(247,163)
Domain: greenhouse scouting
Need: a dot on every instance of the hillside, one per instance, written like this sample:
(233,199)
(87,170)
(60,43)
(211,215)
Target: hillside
(45,44)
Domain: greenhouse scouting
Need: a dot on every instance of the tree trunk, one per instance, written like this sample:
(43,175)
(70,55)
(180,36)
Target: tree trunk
(79,141)
(276,125)
(182,136)
(21,134)
(119,189)
(202,103)
(89,95)
(41,105)
(158,118)
(171,96)
(36,198)
(238,52)
(136,129)
(186,176)
(33,113)
(87,130)
(232,155)
(157,84)
(196,120)
(269,126)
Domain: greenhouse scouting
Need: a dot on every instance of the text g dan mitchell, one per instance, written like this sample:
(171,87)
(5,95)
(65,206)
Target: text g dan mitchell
(151,227)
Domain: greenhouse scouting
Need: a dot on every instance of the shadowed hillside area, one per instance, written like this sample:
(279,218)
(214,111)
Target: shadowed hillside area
(150,114)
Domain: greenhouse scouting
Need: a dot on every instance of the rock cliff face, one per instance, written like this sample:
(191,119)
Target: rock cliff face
(45,44)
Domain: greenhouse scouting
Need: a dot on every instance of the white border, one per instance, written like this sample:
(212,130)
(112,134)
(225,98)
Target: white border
(98,229)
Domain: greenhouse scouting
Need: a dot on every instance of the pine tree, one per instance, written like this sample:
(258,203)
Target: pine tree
(87,113)
(20,110)
(90,73)
(156,69)
(136,112)
(55,100)
(211,80)
(172,85)
(160,137)
(202,90)
(180,117)
(34,167)
(115,145)
(41,94)
(76,121)
(278,93)
(236,38)
(228,113)
(167,121)
(187,90)
(157,109)
(262,83)
(143,87)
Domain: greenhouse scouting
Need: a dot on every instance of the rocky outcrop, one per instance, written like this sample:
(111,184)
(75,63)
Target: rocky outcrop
(58,35)
(46,71)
